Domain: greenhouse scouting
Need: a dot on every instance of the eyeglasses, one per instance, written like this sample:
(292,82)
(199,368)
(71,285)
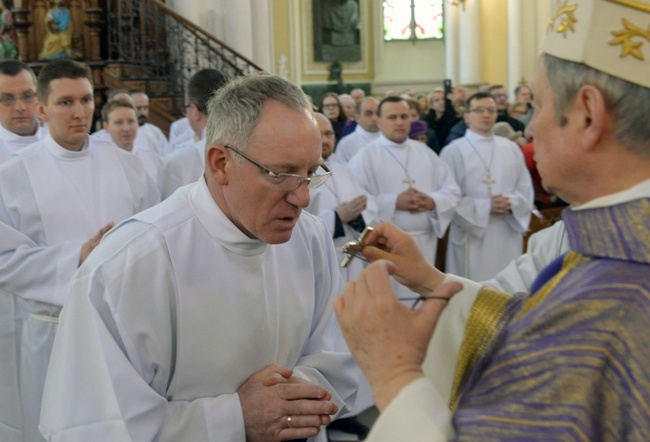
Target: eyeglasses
(10,100)
(288,182)
(482,110)
(500,95)
(330,105)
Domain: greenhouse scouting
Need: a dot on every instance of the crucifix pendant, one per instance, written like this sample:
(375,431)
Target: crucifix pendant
(488,182)
(408,180)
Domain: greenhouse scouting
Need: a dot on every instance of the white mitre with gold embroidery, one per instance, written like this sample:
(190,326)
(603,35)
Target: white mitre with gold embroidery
(612,36)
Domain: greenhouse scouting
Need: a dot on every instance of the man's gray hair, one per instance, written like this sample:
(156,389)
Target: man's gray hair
(628,103)
(235,109)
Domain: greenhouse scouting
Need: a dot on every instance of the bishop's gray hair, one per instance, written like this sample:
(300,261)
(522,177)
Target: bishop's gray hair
(628,103)
(235,109)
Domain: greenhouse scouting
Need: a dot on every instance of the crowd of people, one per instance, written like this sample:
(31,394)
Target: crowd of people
(190,287)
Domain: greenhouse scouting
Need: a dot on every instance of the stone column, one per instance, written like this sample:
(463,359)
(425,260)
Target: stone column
(515,53)
(469,42)
(451,42)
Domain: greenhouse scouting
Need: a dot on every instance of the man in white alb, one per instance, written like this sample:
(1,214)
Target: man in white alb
(121,123)
(19,126)
(180,133)
(158,138)
(414,188)
(365,132)
(209,317)
(143,142)
(494,212)
(57,198)
(186,164)
(341,202)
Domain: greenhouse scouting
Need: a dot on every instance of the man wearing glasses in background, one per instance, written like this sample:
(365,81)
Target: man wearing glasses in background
(18,124)
(497,195)
(501,97)
(209,317)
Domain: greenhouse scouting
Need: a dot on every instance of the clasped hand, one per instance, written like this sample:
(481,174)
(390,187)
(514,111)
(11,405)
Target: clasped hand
(271,395)
(350,210)
(414,201)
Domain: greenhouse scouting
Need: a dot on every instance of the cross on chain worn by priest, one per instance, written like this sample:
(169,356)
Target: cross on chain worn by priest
(395,168)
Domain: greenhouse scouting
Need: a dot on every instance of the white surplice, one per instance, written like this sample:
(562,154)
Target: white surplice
(481,244)
(380,169)
(180,132)
(158,139)
(175,309)
(183,166)
(52,201)
(352,143)
(341,187)
(11,142)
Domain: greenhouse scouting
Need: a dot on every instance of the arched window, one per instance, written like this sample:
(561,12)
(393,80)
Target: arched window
(413,19)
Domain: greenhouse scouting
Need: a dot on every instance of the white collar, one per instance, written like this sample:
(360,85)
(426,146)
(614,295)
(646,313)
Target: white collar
(385,141)
(24,140)
(473,136)
(218,225)
(641,190)
(64,154)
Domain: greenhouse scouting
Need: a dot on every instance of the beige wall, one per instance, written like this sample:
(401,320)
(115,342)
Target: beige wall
(386,65)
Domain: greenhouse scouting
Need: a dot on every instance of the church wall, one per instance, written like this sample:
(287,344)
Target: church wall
(494,41)
(278,35)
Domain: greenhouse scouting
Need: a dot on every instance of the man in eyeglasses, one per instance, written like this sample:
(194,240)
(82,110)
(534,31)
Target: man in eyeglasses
(486,231)
(186,164)
(19,126)
(501,97)
(209,317)
(58,196)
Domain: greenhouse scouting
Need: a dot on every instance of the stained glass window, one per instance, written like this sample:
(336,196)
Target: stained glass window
(413,19)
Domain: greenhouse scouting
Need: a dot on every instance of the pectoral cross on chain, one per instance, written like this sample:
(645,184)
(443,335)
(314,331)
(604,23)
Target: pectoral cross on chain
(408,180)
(488,182)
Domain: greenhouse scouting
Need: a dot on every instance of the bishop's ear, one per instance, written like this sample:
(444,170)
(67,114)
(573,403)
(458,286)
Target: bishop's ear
(217,162)
(596,119)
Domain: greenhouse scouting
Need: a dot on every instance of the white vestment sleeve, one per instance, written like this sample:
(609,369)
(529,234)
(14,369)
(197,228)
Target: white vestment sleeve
(362,170)
(144,188)
(543,247)
(417,413)
(439,365)
(31,271)
(472,214)
(446,197)
(112,386)
(522,199)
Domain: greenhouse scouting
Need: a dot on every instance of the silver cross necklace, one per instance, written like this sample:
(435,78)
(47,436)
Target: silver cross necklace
(488,181)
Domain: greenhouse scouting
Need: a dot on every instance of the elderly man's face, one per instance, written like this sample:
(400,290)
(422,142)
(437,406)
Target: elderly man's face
(556,151)
(285,141)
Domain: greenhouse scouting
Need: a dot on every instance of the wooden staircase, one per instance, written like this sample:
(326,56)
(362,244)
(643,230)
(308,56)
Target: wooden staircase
(133,44)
